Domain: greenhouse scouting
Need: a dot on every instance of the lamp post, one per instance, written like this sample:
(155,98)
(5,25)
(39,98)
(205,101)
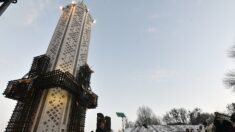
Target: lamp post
(122,115)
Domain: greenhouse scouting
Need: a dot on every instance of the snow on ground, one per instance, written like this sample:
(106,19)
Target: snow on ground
(163,128)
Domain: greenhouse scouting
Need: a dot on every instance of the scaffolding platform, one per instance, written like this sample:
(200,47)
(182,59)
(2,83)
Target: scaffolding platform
(66,81)
(17,89)
(39,78)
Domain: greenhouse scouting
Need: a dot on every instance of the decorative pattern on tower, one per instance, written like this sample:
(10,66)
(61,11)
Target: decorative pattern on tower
(56,93)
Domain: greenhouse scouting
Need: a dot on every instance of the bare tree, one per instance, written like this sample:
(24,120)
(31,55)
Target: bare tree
(167,118)
(145,116)
(176,116)
(129,124)
(198,117)
(193,115)
(231,108)
(230,80)
(230,76)
(184,115)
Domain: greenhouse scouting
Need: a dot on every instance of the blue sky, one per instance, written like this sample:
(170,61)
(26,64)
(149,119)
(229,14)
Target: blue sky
(158,53)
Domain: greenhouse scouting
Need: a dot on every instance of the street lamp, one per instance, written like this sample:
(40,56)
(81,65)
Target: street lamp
(122,115)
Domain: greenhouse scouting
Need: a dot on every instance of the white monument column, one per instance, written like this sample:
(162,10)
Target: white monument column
(67,51)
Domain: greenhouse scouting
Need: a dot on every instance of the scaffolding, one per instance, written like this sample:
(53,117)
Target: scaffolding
(77,119)
(66,81)
(28,92)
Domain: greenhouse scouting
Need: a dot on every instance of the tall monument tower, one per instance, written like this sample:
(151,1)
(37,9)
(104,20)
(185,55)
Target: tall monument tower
(55,94)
